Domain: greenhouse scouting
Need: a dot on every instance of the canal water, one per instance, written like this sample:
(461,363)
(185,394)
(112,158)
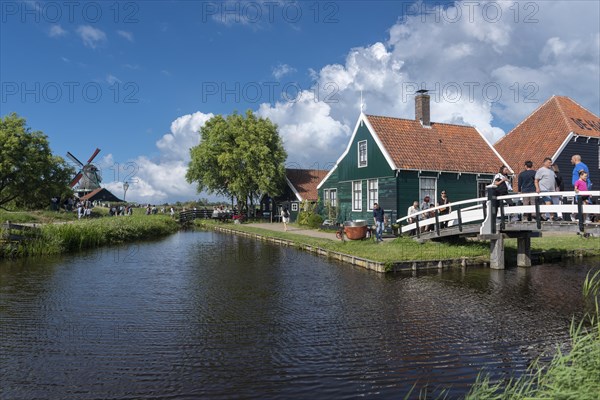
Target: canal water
(207,315)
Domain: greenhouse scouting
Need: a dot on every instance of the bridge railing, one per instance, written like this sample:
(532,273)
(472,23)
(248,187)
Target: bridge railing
(478,208)
(579,208)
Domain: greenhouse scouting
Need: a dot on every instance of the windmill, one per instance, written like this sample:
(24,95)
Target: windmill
(88,176)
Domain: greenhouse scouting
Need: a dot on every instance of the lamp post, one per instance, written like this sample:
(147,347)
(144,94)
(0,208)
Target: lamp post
(125,187)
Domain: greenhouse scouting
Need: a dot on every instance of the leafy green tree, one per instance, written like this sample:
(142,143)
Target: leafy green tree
(29,174)
(239,156)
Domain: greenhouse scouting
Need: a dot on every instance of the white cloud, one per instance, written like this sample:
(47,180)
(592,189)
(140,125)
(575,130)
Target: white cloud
(111,79)
(57,31)
(162,179)
(480,70)
(281,70)
(127,35)
(92,37)
(457,60)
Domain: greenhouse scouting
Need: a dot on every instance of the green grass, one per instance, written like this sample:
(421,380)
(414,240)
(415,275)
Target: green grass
(90,233)
(36,216)
(573,375)
(406,249)
(398,249)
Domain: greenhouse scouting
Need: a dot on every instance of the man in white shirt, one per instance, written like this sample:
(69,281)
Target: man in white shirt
(545,181)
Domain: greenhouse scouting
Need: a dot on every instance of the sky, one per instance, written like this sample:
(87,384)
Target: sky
(138,79)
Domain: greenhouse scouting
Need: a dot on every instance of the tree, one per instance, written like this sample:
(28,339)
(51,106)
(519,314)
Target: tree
(239,156)
(29,174)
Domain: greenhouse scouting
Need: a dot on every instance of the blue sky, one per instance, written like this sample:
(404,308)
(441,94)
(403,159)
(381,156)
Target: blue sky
(137,79)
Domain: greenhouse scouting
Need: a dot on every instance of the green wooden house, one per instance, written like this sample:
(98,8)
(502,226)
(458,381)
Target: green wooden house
(395,161)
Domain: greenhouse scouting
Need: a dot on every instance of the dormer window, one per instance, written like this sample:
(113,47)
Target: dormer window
(362,154)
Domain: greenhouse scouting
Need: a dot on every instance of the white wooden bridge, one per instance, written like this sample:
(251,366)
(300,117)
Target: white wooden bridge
(490,218)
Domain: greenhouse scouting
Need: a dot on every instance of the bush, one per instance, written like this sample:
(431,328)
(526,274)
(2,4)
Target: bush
(314,221)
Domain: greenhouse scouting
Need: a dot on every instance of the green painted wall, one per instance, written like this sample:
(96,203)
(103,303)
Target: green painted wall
(377,165)
(458,187)
(348,171)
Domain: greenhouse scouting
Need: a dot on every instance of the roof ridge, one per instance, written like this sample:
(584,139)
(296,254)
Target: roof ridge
(414,120)
(562,112)
(579,105)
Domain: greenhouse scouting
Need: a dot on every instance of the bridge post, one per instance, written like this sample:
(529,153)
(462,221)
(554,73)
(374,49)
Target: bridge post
(489,224)
(524,250)
(497,251)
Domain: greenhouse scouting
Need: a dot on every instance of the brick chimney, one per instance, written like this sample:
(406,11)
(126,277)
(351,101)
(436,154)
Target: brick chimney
(422,107)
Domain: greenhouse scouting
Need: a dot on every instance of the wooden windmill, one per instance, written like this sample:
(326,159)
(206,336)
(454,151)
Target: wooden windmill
(88,178)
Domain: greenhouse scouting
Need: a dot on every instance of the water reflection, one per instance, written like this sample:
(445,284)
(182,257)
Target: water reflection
(202,314)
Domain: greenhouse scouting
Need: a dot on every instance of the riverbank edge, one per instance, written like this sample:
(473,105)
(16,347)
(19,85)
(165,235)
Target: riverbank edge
(539,257)
(78,236)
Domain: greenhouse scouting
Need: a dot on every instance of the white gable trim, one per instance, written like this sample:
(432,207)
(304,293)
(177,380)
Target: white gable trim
(361,119)
(494,150)
(562,146)
(293,189)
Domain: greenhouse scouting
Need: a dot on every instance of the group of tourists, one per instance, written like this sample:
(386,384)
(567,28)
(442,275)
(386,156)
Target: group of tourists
(428,204)
(545,180)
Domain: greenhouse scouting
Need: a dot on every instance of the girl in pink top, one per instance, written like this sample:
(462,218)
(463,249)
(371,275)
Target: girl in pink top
(581,184)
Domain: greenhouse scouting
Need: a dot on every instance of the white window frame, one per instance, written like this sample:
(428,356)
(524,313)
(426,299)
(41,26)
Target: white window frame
(373,189)
(362,163)
(294,207)
(325,196)
(333,197)
(422,194)
(356,199)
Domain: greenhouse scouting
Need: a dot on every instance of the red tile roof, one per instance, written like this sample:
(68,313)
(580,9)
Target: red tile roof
(542,133)
(442,147)
(305,181)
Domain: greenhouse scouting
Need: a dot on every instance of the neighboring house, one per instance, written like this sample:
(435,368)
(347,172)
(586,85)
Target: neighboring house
(559,129)
(100,194)
(301,184)
(396,161)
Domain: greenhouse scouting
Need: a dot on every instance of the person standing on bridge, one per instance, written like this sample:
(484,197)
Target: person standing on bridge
(444,210)
(545,181)
(578,166)
(413,210)
(526,184)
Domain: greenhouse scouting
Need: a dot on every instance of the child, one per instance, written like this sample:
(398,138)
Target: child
(581,186)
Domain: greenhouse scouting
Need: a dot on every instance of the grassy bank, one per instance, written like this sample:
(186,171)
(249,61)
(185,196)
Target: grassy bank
(406,249)
(36,216)
(90,233)
(574,374)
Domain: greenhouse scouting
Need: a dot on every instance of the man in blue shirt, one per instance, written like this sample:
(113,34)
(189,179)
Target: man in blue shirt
(579,165)
(378,218)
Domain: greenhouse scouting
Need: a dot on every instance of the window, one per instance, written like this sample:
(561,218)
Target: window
(330,197)
(373,192)
(294,206)
(481,187)
(357,196)
(333,197)
(428,188)
(362,154)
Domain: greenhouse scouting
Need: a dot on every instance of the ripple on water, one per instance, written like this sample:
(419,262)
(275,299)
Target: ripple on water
(201,314)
